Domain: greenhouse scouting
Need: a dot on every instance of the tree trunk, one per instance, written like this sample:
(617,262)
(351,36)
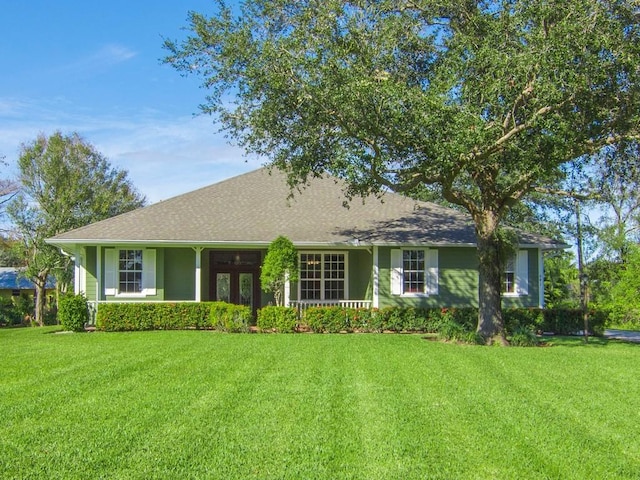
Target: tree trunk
(490,322)
(40,303)
(40,282)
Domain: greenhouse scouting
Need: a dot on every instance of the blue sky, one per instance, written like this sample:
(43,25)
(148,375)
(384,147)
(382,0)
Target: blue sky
(94,68)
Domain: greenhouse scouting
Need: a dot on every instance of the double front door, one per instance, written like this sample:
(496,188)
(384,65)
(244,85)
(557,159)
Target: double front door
(236,277)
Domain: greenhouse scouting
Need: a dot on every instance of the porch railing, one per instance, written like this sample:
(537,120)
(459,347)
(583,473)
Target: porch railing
(302,305)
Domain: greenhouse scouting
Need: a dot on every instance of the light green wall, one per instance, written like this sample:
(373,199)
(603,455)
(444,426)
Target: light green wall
(160,267)
(179,274)
(533,298)
(457,281)
(360,275)
(91,262)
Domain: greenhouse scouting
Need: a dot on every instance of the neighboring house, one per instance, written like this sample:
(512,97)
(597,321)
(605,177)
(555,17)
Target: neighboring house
(13,284)
(209,245)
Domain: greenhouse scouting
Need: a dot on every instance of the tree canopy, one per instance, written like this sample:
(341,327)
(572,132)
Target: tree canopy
(65,183)
(486,100)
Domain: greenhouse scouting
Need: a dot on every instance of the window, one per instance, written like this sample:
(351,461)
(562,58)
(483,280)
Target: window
(509,277)
(129,272)
(413,268)
(322,276)
(414,272)
(515,277)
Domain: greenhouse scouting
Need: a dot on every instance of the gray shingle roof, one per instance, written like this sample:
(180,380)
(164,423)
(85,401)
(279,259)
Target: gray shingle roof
(254,208)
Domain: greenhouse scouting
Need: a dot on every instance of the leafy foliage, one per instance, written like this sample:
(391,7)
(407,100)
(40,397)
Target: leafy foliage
(561,289)
(64,184)
(173,316)
(228,317)
(625,294)
(73,312)
(280,265)
(485,100)
(277,319)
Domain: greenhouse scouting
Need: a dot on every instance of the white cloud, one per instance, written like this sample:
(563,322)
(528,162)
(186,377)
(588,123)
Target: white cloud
(164,156)
(98,61)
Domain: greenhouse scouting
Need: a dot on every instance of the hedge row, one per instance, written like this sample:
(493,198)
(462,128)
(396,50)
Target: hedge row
(436,320)
(236,318)
(173,316)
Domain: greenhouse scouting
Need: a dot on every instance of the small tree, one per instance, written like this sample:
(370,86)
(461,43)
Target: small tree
(65,183)
(280,265)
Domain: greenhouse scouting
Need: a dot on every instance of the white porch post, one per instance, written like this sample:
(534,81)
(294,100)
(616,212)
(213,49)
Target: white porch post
(376,278)
(79,273)
(541,278)
(198,296)
(287,291)
(99,288)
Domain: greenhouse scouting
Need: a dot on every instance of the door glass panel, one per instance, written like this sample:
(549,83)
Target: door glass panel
(223,287)
(246,289)
(236,259)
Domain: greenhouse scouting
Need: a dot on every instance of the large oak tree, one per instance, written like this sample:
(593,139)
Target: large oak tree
(487,100)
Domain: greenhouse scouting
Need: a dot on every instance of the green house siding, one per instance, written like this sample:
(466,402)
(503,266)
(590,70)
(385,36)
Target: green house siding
(179,274)
(533,297)
(457,269)
(360,275)
(91,277)
(160,267)
(457,281)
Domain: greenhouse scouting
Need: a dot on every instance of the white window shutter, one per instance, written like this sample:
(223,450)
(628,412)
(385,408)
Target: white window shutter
(149,272)
(432,271)
(522,273)
(396,272)
(110,271)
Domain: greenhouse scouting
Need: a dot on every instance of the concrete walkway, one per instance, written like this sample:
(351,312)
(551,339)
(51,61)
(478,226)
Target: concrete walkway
(628,335)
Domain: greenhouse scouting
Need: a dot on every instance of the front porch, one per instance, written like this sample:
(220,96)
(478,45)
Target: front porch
(302,305)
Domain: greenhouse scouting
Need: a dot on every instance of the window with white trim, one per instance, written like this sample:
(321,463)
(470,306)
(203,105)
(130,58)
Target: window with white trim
(515,277)
(414,271)
(129,272)
(323,276)
(509,277)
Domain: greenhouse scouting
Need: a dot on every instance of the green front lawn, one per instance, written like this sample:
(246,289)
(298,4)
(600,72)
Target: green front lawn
(200,404)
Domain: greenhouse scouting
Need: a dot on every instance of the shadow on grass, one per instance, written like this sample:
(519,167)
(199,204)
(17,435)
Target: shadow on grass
(578,341)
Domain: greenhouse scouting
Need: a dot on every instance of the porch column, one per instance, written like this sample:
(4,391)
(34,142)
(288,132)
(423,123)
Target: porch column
(287,291)
(541,278)
(99,288)
(79,273)
(198,296)
(376,278)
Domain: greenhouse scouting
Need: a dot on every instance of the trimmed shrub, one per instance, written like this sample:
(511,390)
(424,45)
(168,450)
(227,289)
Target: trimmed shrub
(73,312)
(327,319)
(277,319)
(365,319)
(114,317)
(228,317)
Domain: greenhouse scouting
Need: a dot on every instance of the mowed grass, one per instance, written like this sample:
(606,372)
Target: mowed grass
(198,404)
